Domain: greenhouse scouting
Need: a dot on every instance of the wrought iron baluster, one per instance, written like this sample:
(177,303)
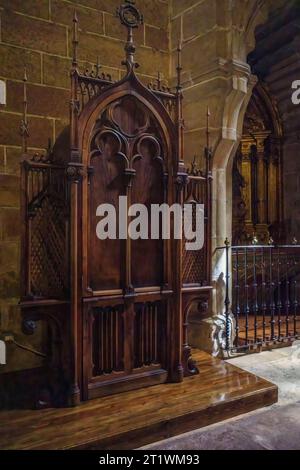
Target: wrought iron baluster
(112,349)
(295,302)
(152,306)
(263,294)
(116,341)
(279,303)
(255,295)
(287,295)
(227,301)
(237,297)
(272,302)
(101,365)
(247,307)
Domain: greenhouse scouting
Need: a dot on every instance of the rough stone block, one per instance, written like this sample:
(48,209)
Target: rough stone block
(181,5)
(176,33)
(152,61)
(157,38)
(102,5)
(110,52)
(13,60)
(10,224)
(199,20)
(40,130)
(33,33)
(10,192)
(198,53)
(156,12)
(10,158)
(44,101)
(2,159)
(39,8)
(88,20)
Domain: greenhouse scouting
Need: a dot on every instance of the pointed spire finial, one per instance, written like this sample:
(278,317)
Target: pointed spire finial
(131,18)
(158,80)
(98,66)
(207,127)
(24,123)
(75,40)
(208,150)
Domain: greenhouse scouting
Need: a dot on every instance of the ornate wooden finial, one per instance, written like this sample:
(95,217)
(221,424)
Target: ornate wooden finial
(194,170)
(98,67)
(75,40)
(207,128)
(49,150)
(158,80)
(254,239)
(227,242)
(131,18)
(24,123)
(179,66)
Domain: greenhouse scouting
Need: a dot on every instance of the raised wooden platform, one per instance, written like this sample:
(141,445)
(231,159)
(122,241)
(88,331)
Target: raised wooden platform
(132,419)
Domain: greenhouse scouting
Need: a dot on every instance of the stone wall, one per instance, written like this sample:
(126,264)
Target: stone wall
(37,34)
(217,36)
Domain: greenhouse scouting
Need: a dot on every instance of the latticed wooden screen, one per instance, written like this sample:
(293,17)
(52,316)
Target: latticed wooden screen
(46,237)
(194,263)
(48,249)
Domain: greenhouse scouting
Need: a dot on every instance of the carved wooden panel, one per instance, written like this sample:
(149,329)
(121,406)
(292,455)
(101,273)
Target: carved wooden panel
(126,158)
(149,334)
(108,340)
(106,185)
(147,189)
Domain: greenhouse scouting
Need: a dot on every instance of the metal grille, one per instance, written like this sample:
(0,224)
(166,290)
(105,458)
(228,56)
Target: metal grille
(265,292)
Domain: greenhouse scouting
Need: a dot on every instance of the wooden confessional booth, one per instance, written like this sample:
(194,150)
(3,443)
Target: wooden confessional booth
(116,310)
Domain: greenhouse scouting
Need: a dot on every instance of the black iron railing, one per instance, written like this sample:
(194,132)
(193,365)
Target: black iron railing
(262,295)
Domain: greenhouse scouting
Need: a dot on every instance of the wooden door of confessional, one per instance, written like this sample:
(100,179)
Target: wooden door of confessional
(127,315)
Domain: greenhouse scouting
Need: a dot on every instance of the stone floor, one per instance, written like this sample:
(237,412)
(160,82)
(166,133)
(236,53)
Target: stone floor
(273,428)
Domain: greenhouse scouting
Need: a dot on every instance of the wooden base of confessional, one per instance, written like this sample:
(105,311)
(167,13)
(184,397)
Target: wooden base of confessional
(144,416)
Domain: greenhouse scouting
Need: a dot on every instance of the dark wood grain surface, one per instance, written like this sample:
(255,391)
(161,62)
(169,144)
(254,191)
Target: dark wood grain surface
(135,418)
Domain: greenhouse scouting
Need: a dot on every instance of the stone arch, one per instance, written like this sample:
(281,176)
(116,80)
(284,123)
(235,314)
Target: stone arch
(242,82)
